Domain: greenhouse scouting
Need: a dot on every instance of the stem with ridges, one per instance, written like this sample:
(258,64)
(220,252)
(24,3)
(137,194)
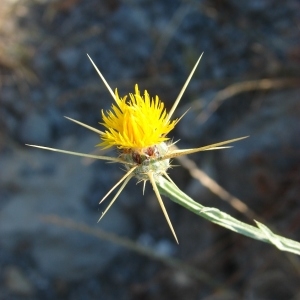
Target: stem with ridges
(262,233)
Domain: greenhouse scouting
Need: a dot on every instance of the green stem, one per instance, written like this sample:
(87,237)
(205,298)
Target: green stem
(261,233)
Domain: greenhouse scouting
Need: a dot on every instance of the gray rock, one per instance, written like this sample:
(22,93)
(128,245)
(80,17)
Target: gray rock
(17,282)
(271,284)
(258,169)
(252,6)
(224,295)
(58,251)
(35,129)
(69,58)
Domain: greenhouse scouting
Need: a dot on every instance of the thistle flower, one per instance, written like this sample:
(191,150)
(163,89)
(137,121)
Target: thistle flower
(138,128)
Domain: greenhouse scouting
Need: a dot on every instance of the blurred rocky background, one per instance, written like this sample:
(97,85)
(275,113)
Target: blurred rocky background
(248,83)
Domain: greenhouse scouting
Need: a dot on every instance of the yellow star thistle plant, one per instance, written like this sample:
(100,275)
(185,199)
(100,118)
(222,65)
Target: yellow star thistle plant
(138,126)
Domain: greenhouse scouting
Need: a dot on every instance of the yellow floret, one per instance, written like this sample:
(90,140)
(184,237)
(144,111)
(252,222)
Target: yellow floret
(135,123)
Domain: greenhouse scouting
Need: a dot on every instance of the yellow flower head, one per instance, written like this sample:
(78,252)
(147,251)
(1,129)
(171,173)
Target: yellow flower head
(138,127)
(136,123)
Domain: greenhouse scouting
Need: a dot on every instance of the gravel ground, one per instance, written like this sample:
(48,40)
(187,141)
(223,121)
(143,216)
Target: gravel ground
(247,84)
